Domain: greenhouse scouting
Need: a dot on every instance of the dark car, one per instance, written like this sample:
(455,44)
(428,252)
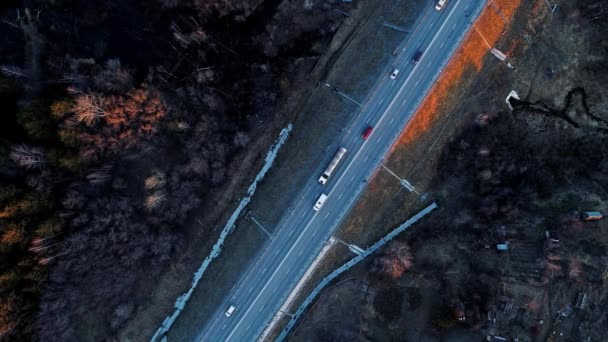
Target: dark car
(367,132)
(417,56)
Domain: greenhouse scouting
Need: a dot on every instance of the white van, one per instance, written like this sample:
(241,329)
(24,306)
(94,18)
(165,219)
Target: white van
(230,311)
(320,202)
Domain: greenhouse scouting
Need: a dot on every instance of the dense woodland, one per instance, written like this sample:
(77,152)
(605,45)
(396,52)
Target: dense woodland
(507,167)
(118,117)
(500,170)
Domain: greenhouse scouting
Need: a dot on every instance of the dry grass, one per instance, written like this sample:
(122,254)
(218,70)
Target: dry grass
(489,27)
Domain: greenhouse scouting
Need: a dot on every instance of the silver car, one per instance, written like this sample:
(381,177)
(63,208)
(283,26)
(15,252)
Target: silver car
(230,311)
(441,4)
(394,74)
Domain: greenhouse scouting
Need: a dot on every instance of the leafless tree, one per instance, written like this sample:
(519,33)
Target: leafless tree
(396,260)
(88,108)
(114,77)
(100,175)
(154,200)
(12,234)
(13,71)
(241,139)
(169,3)
(155,181)
(29,157)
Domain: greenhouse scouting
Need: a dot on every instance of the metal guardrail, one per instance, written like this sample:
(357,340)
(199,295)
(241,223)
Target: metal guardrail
(352,262)
(473,14)
(181,301)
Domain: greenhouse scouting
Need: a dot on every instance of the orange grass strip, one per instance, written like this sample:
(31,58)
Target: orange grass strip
(471,52)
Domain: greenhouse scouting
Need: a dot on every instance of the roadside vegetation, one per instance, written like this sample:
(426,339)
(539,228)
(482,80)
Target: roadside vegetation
(120,118)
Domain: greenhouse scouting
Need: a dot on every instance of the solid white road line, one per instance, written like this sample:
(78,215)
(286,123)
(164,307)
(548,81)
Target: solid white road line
(339,180)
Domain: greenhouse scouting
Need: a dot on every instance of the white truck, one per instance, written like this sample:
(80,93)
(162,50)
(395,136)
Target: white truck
(320,202)
(332,166)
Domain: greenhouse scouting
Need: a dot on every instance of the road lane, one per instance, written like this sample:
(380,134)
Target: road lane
(258,295)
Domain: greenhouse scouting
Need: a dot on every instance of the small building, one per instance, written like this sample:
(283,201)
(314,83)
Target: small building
(581,300)
(591,216)
(552,240)
(566,311)
(502,246)
(459,312)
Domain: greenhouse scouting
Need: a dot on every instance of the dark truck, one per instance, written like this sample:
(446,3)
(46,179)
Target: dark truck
(417,56)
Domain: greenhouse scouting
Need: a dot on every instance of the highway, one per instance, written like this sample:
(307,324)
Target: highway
(301,232)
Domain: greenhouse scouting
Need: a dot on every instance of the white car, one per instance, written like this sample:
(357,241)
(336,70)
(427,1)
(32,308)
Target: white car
(230,311)
(394,74)
(441,4)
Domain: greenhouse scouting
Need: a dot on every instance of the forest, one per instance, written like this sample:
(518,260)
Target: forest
(118,118)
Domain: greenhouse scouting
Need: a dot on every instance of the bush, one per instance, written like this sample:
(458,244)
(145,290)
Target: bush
(387,303)
(35,119)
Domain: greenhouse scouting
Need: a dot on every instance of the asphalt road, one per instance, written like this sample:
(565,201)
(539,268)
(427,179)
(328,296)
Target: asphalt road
(302,232)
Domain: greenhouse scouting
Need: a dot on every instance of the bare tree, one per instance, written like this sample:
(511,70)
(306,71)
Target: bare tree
(88,108)
(241,139)
(154,200)
(169,3)
(396,260)
(28,157)
(13,71)
(12,234)
(100,175)
(114,77)
(155,181)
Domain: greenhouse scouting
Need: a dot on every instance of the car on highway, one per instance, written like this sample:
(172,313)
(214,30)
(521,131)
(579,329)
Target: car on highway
(320,202)
(441,4)
(230,310)
(416,57)
(394,74)
(367,132)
